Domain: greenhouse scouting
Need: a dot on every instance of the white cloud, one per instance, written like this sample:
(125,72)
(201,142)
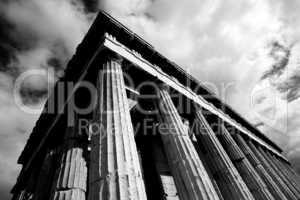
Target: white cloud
(48,21)
(282,123)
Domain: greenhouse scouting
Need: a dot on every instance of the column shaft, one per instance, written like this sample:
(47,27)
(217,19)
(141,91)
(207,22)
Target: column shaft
(273,174)
(290,174)
(284,172)
(27,192)
(291,171)
(229,180)
(114,170)
(292,188)
(256,185)
(22,195)
(72,173)
(202,158)
(190,176)
(272,186)
(71,176)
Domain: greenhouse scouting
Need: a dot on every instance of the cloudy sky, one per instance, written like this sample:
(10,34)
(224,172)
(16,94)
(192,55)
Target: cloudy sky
(246,51)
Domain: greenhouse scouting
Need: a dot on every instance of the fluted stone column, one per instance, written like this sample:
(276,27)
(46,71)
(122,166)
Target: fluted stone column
(114,171)
(190,176)
(71,177)
(31,185)
(290,174)
(21,195)
(256,185)
(229,180)
(284,172)
(272,186)
(202,158)
(290,170)
(288,183)
(287,192)
(27,192)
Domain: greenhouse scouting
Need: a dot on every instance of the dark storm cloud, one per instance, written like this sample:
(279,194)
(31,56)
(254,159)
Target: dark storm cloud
(280,54)
(290,86)
(91,5)
(34,35)
(27,29)
(7,45)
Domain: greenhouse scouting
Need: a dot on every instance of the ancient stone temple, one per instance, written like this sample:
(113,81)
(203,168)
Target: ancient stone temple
(124,122)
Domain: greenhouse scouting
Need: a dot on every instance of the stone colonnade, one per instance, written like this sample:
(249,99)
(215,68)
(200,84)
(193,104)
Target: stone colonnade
(241,168)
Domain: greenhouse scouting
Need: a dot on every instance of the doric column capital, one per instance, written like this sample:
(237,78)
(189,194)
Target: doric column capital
(164,86)
(111,56)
